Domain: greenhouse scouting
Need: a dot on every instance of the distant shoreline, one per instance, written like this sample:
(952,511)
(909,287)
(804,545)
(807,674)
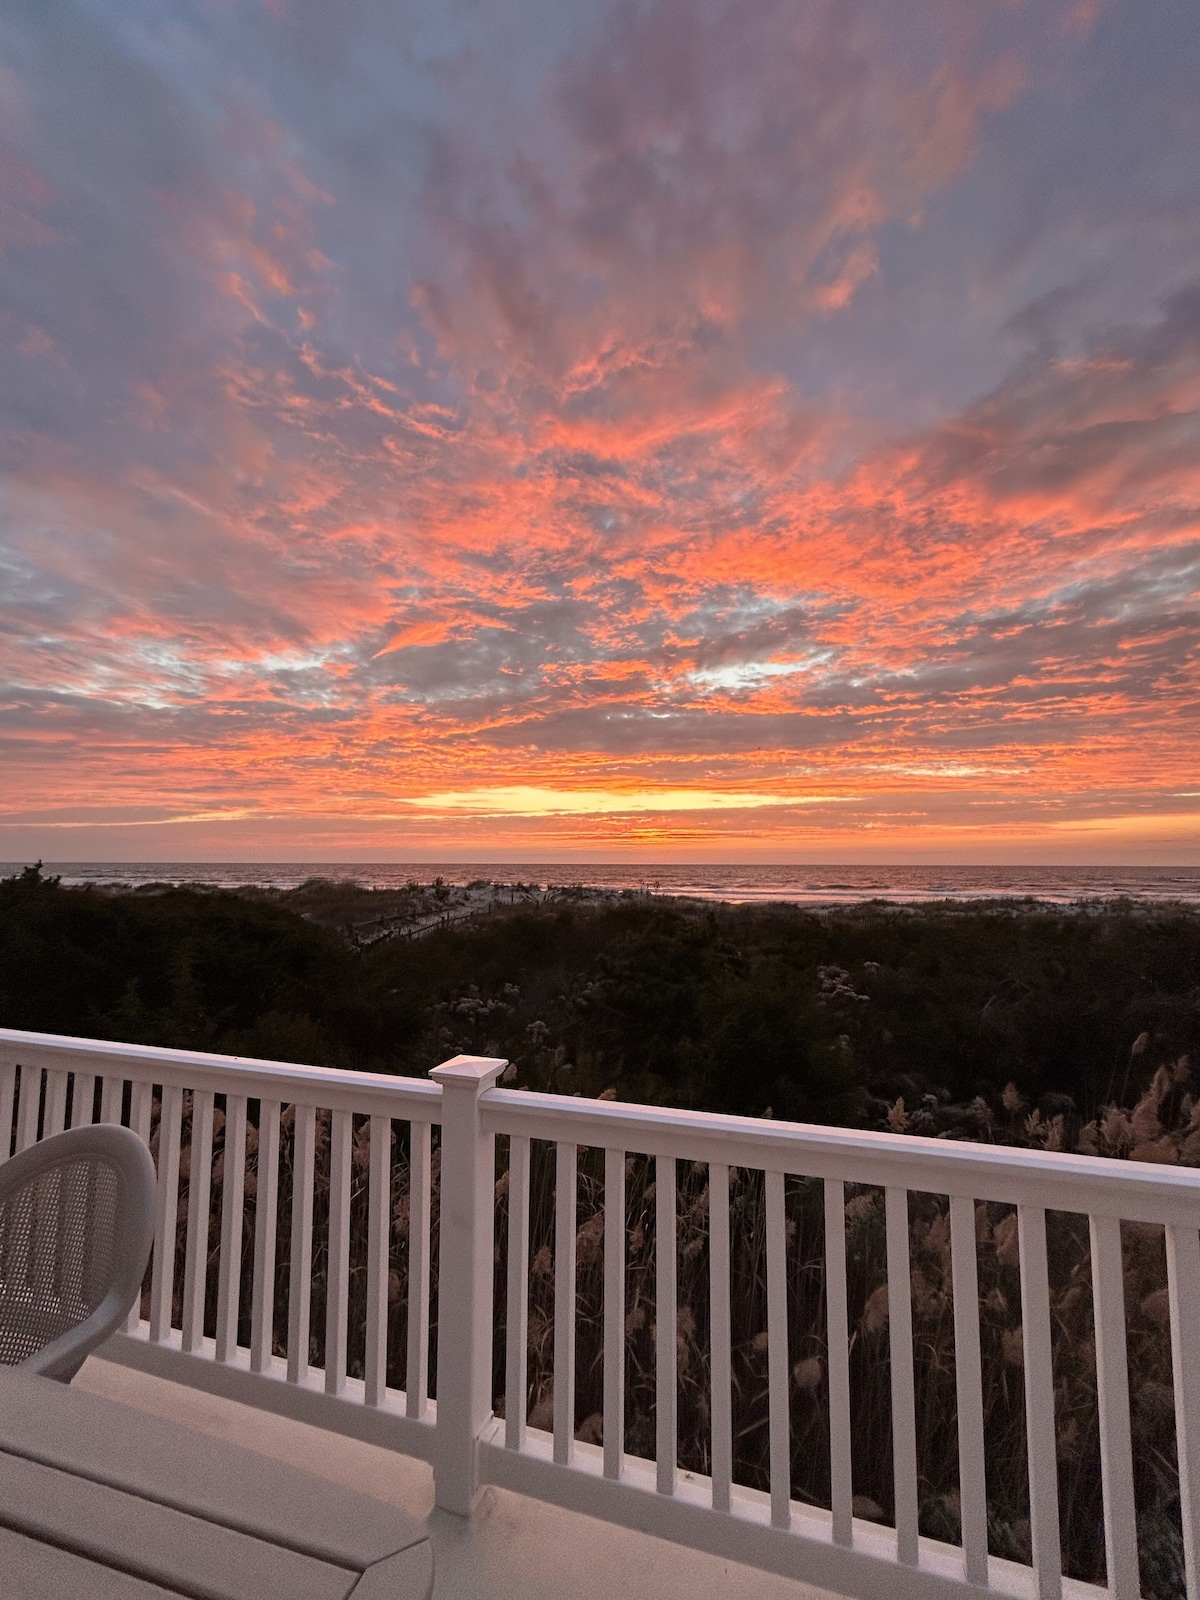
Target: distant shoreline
(815,886)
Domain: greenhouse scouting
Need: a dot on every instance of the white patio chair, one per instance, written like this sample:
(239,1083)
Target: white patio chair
(76,1226)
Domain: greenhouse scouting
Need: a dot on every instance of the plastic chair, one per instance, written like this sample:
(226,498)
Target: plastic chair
(76,1227)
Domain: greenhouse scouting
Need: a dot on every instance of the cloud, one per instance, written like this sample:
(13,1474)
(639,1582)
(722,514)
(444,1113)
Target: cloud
(412,425)
(702,177)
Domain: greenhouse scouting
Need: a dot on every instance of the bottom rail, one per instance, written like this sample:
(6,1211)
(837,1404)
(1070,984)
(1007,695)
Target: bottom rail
(306,1401)
(805,1551)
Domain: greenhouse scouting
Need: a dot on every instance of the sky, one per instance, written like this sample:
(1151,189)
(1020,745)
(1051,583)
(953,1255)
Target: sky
(726,430)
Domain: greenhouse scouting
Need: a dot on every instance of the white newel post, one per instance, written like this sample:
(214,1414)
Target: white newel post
(465,1250)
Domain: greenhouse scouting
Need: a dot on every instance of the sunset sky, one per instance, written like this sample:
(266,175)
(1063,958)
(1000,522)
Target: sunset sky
(674,429)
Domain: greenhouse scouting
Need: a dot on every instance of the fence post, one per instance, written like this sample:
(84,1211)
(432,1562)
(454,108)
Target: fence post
(464,1354)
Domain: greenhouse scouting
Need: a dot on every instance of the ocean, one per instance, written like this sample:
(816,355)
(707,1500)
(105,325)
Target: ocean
(801,885)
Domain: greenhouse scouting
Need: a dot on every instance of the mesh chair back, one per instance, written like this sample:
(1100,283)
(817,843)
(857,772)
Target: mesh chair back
(76,1224)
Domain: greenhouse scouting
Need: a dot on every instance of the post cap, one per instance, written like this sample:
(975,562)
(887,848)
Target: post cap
(480,1071)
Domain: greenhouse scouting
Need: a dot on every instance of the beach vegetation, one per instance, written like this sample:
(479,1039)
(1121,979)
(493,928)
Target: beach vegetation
(1054,1029)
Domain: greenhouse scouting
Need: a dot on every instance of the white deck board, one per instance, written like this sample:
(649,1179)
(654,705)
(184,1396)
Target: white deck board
(515,1548)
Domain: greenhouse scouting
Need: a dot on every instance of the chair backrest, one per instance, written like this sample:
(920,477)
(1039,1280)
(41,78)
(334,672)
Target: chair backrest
(76,1227)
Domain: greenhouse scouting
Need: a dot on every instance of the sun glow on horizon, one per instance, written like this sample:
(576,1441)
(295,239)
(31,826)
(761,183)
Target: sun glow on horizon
(522,800)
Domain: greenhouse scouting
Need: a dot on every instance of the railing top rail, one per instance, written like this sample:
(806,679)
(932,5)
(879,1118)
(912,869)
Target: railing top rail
(1095,1185)
(331,1087)
(1133,1191)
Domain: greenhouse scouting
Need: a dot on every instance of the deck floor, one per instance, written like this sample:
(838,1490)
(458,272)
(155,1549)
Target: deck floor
(514,1549)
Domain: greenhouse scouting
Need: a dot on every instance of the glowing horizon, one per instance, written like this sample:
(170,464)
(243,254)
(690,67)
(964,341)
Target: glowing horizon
(718,432)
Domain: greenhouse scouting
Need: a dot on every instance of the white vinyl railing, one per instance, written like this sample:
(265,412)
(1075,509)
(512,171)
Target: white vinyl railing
(428,1205)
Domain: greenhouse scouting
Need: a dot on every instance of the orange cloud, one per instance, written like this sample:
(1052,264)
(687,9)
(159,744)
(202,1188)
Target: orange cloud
(537,521)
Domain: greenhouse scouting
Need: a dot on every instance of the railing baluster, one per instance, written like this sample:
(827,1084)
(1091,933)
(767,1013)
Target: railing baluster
(614,1312)
(1112,1384)
(904,1421)
(195,1269)
(778,1366)
(1039,1401)
(300,1278)
(83,1098)
(379,1238)
(233,1221)
(1183,1287)
(416,1379)
(111,1094)
(8,1091)
(516,1364)
(968,1378)
(266,1222)
(337,1288)
(565,1186)
(720,1354)
(29,1106)
(141,1110)
(162,1279)
(841,1482)
(55,1119)
(665,1353)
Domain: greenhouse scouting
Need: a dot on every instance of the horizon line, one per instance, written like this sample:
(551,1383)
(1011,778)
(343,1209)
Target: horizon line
(597,861)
